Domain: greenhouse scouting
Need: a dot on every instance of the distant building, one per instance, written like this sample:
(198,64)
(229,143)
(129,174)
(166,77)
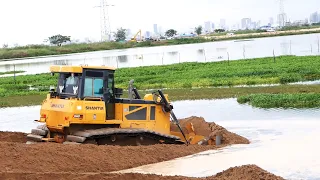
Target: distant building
(254,25)
(271,21)
(212,26)
(314,17)
(245,23)
(222,23)
(147,34)
(160,30)
(155,29)
(207,27)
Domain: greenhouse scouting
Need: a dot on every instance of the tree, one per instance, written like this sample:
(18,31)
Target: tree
(170,33)
(219,30)
(198,30)
(58,39)
(120,35)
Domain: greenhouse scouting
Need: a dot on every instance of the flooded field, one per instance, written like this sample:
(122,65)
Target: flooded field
(284,142)
(205,52)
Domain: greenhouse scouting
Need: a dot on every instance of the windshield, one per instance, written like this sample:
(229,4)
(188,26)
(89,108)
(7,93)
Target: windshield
(68,83)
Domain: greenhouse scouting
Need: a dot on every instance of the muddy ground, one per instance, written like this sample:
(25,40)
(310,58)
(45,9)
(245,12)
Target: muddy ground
(60,161)
(246,172)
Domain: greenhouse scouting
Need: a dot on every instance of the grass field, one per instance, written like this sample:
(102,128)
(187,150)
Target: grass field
(285,100)
(185,76)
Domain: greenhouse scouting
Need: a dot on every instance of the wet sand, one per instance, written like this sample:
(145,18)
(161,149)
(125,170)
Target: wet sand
(61,161)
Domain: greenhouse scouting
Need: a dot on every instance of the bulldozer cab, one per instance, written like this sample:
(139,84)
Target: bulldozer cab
(87,84)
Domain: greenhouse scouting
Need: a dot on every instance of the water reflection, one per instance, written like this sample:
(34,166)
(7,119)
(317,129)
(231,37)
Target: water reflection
(204,52)
(122,59)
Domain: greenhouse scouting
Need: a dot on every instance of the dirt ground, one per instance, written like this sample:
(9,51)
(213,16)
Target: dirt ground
(13,137)
(246,172)
(60,161)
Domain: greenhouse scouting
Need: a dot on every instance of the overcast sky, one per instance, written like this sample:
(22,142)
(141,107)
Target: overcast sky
(31,21)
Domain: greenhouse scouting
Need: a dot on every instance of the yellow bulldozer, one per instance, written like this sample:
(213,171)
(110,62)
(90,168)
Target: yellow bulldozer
(85,107)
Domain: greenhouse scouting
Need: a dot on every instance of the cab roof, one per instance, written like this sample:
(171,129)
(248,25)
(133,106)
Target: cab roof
(77,69)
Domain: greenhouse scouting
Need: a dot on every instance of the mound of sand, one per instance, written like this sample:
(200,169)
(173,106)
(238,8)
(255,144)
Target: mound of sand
(13,137)
(86,162)
(246,172)
(210,129)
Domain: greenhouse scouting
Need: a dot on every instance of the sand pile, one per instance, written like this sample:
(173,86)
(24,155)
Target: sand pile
(210,129)
(86,162)
(246,172)
(17,157)
(13,137)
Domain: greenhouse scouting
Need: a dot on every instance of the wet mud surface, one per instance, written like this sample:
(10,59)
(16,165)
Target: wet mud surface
(61,161)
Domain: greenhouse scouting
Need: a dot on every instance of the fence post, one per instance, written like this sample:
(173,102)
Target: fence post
(162,57)
(311,47)
(179,57)
(244,52)
(14,73)
(290,48)
(205,57)
(274,57)
(228,58)
(117,62)
(318,45)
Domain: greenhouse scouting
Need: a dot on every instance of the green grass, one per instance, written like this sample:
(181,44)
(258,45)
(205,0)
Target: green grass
(11,72)
(186,75)
(181,94)
(44,50)
(285,100)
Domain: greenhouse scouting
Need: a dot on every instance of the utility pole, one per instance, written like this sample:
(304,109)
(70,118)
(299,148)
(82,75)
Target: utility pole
(105,21)
(282,17)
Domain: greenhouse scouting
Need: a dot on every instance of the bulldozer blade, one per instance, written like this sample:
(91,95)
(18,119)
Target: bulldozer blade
(38,132)
(33,137)
(77,139)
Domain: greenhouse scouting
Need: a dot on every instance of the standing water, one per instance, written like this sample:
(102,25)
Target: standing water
(299,45)
(283,142)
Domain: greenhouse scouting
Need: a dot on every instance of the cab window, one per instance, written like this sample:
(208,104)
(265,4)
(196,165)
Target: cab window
(68,83)
(93,87)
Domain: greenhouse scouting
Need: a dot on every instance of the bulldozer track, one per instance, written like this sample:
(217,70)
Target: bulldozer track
(108,136)
(109,133)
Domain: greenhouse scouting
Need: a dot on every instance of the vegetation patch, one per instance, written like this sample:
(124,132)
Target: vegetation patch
(11,72)
(188,75)
(285,100)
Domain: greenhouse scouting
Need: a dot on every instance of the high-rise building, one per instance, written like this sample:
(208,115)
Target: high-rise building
(314,17)
(222,23)
(245,23)
(212,26)
(160,32)
(147,34)
(271,21)
(155,29)
(207,27)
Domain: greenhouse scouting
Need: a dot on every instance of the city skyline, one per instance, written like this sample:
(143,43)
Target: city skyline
(31,22)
